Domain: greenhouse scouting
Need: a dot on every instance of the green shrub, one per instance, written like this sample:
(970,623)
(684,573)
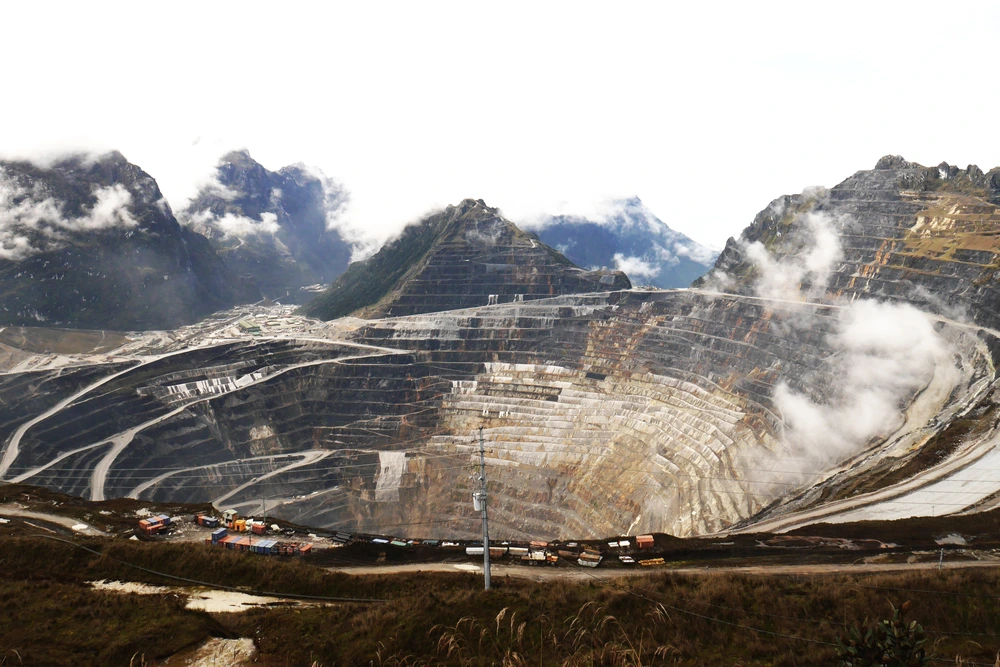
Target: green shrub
(889,643)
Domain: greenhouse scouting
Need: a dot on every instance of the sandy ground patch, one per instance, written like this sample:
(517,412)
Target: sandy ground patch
(216,653)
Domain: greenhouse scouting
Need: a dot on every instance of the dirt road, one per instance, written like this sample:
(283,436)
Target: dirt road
(544,573)
(68,522)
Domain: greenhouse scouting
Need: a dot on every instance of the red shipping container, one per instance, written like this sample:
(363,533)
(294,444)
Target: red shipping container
(258,529)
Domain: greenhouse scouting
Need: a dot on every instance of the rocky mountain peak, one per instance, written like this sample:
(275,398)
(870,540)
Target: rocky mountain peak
(899,232)
(894,162)
(90,242)
(629,237)
(277,228)
(463,256)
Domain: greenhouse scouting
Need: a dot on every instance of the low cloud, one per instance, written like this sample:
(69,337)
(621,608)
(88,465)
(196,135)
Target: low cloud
(31,221)
(695,252)
(635,267)
(340,217)
(235,226)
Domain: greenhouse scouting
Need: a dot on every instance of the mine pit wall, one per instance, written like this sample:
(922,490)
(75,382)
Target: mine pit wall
(649,413)
(963,424)
(606,418)
(603,414)
(348,409)
(938,250)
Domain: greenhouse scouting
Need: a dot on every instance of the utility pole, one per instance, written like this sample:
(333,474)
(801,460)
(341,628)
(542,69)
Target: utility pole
(482,504)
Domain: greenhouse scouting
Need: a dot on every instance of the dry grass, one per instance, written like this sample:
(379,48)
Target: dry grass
(446,619)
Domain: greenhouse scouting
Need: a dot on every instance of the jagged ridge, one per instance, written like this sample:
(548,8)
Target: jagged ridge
(466,255)
(92,244)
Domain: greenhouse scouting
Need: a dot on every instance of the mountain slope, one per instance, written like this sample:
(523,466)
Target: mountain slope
(91,243)
(805,386)
(631,239)
(272,226)
(908,233)
(466,255)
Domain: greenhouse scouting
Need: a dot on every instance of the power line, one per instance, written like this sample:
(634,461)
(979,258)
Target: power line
(209,584)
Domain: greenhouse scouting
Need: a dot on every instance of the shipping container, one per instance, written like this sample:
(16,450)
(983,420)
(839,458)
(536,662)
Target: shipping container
(305,548)
(210,522)
(164,519)
(218,534)
(590,559)
(258,529)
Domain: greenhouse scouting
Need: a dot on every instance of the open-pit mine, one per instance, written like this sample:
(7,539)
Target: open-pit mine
(606,410)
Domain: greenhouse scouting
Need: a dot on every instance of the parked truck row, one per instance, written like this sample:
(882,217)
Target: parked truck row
(537,553)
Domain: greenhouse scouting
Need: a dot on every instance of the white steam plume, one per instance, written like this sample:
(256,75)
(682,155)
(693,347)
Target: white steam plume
(783,279)
(885,353)
(881,354)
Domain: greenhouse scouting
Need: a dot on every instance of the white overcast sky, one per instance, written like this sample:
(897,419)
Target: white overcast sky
(706,111)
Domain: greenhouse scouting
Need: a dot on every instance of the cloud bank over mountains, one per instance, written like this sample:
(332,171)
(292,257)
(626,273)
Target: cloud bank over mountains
(33,220)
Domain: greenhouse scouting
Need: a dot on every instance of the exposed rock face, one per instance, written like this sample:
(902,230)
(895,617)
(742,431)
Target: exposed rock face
(273,227)
(927,236)
(92,244)
(466,255)
(605,413)
(632,239)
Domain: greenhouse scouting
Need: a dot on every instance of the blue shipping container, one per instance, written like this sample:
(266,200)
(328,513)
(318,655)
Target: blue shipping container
(219,534)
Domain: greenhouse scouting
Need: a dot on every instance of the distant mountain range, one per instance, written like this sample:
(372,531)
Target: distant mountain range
(632,239)
(272,227)
(91,243)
